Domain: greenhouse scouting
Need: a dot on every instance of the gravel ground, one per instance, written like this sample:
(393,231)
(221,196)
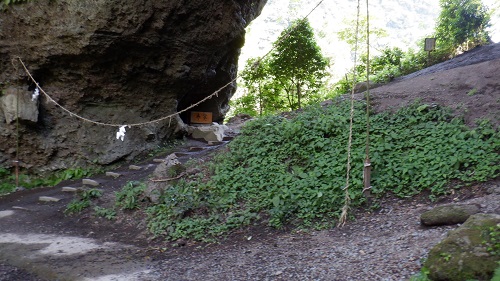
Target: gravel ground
(389,244)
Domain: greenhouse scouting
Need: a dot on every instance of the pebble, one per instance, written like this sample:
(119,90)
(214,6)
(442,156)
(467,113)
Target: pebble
(134,167)
(112,174)
(90,182)
(69,189)
(48,199)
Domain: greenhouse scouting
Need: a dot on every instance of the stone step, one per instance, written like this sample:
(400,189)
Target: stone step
(69,189)
(113,174)
(90,182)
(48,199)
(134,167)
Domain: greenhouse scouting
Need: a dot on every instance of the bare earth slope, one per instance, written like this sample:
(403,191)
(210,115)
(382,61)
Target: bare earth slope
(38,242)
(469,83)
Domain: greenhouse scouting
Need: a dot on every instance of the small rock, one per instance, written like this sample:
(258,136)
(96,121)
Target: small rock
(278,273)
(494,190)
(112,174)
(69,189)
(134,167)
(448,214)
(48,199)
(90,182)
(158,160)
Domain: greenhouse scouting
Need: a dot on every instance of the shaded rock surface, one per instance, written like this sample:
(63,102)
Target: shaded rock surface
(119,62)
(163,176)
(20,105)
(449,214)
(214,132)
(464,254)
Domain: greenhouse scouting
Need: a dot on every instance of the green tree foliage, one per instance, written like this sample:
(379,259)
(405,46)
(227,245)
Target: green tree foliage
(389,64)
(348,34)
(461,25)
(262,95)
(289,78)
(297,64)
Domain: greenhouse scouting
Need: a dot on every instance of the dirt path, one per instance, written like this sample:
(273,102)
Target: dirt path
(39,242)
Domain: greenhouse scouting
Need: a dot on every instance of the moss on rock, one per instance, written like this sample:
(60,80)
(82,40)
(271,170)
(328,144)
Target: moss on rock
(463,254)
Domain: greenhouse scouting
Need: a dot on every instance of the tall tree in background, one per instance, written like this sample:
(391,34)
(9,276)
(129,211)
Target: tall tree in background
(461,25)
(297,64)
(261,95)
(288,78)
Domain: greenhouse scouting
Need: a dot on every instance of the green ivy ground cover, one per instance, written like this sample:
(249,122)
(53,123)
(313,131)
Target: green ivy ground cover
(292,171)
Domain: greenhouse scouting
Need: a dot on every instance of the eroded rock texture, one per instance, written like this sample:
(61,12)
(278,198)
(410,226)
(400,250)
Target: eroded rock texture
(115,62)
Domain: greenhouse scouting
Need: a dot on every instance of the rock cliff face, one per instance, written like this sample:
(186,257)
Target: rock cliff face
(119,62)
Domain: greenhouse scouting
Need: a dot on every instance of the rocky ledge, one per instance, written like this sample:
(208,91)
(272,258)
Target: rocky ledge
(118,62)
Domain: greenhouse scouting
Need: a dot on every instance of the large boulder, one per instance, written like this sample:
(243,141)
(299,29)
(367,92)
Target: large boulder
(468,252)
(119,62)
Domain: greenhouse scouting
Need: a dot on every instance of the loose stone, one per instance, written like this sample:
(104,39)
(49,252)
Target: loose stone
(112,174)
(48,199)
(90,182)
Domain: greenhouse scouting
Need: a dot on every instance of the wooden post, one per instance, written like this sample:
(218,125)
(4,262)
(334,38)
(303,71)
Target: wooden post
(16,163)
(366,179)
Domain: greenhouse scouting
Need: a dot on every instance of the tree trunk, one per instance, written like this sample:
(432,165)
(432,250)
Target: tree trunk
(299,95)
(260,100)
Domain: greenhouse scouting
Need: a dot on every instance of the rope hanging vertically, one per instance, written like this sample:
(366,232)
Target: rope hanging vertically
(367,164)
(347,198)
